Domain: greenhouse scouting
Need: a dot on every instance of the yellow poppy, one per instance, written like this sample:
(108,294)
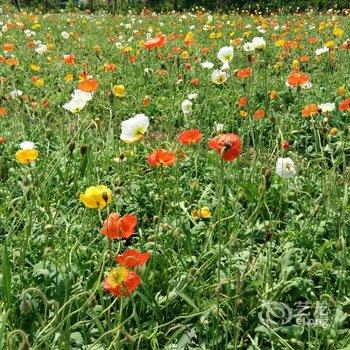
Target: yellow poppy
(96,197)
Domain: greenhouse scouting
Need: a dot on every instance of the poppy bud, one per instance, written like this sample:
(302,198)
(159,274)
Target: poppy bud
(26,181)
(341,244)
(269,235)
(24,344)
(2,140)
(25,306)
(71,146)
(285,145)
(83,149)
(48,133)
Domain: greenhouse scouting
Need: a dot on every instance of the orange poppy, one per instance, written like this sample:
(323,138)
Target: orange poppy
(156,42)
(259,114)
(310,110)
(109,67)
(304,58)
(119,227)
(132,258)
(285,145)
(88,85)
(346,45)
(161,157)
(242,101)
(312,40)
(146,100)
(297,79)
(8,47)
(344,106)
(3,111)
(195,82)
(2,59)
(244,73)
(120,281)
(12,62)
(273,94)
(69,59)
(227,146)
(187,66)
(189,137)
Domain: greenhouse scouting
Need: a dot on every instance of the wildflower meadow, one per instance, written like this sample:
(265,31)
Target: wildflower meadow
(174,180)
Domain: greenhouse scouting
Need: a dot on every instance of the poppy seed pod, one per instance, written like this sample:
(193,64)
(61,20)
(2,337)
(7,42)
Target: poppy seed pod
(83,149)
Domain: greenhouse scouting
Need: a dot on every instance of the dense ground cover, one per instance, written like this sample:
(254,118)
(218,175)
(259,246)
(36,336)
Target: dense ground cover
(245,219)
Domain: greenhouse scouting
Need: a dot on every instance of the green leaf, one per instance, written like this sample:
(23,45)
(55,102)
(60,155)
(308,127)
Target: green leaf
(6,271)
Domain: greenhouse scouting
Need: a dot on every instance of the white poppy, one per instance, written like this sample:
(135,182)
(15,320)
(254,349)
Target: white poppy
(65,35)
(75,105)
(186,107)
(192,96)
(285,168)
(27,145)
(225,54)
(248,47)
(16,93)
(259,43)
(225,67)
(82,95)
(326,107)
(219,77)
(207,65)
(321,51)
(41,49)
(134,128)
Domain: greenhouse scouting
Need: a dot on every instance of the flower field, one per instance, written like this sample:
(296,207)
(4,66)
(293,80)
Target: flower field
(174,181)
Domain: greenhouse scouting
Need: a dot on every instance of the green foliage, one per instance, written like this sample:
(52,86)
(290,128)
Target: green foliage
(212,282)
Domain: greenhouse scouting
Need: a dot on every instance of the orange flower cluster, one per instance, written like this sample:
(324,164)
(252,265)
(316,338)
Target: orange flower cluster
(122,280)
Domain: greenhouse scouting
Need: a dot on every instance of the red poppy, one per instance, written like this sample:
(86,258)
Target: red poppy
(157,42)
(344,106)
(116,227)
(161,157)
(132,258)
(69,59)
(189,137)
(244,73)
(120,281)
(88,85)
(228,146)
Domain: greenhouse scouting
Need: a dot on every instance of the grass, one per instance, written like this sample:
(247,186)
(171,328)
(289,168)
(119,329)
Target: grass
(272,247)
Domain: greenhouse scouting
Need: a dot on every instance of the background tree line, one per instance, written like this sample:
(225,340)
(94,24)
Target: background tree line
(178,5)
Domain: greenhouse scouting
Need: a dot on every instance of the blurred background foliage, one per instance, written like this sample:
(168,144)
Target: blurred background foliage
(179,5)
